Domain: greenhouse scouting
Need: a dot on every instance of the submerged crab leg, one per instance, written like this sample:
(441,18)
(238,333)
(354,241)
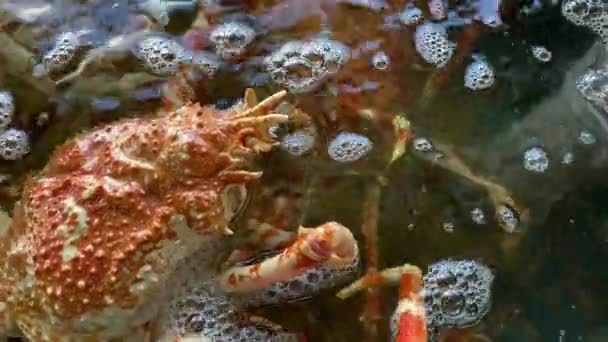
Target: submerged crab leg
(447,159)
(409,316)
(329,244)
(371,314)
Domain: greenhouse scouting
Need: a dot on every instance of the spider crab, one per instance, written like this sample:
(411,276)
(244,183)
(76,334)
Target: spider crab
(119,236)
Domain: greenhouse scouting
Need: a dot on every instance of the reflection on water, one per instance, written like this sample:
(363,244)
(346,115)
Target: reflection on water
(504,105)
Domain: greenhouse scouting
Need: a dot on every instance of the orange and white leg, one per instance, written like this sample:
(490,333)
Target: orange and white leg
(330,244)
(408,323)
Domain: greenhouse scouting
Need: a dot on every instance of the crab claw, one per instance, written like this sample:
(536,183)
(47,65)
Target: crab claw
(330,244)
(254,120)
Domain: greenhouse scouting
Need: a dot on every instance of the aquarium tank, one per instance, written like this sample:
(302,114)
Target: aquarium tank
(303,170)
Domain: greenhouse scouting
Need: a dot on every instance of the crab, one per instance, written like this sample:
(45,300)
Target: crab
(122,235)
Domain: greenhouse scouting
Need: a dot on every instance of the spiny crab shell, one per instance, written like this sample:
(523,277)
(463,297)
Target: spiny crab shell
(126,216)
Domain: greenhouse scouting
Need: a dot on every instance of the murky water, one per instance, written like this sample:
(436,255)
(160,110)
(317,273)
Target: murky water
(507,148)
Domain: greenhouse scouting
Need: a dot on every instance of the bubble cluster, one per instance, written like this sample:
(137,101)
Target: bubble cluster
(349,147)
(380,60)
(541,54)
(536,160)
(593,85)
(14,144)
(7,109)
(423,145)
(231,39)
(303,66)
(63,54)
(299,142)
(507,218)
(431,41)
(307,284)
(215,317)
(411,16)
(457,293)
(162,55)
(592,14)
(479,75)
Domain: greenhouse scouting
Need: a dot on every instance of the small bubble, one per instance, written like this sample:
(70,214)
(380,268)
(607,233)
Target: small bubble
(478,216)
(479,75)
(568,158)
(586,138)
(7,109)
(507,218)
(299,142)
(448,227)
(541,53)
(536,160)
(380,60)
(14,144)
(411,16)
(423,145)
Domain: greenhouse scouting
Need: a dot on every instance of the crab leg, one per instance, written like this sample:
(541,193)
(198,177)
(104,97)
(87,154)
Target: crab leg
(409,316)
(329,244)
(268,237)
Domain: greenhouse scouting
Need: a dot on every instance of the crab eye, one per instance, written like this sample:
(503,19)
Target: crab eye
(195,323)
(234,200)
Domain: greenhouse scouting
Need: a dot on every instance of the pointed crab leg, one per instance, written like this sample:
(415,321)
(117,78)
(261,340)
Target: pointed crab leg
(409,315)
(330,244)
(261,108)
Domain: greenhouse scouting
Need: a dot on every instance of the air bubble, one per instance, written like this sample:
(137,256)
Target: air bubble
(568,158)
(463,293)
(479,75)
(7,109)
(541,53)
(14,144)
(349,147)
(303,67)
(411,16)
(478,216)
(62,54)
(232,39)
(592,14)
(593,85)
(536,160)
(587,138)
(162,55)
(423,145)
(438,9)
(380,60)
(507,218)
(448,227)
(299,142)
(431,41)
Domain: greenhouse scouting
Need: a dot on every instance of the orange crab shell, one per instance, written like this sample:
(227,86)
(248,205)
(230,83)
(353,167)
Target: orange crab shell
(106,221)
